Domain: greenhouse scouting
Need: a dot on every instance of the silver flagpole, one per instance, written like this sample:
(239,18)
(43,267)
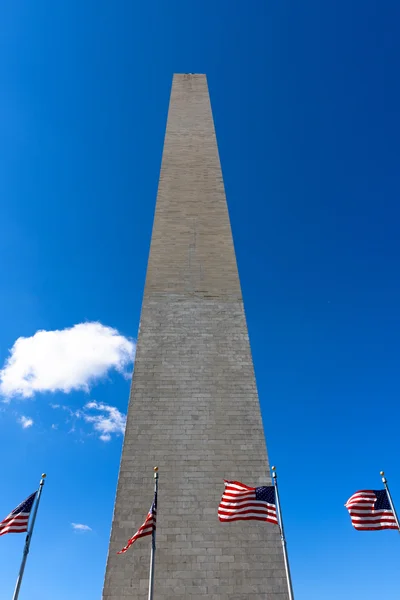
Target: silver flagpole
(384,481)
(285,554)
(153,536)
(28,539)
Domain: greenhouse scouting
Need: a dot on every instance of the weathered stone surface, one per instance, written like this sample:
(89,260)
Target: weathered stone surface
(194,409)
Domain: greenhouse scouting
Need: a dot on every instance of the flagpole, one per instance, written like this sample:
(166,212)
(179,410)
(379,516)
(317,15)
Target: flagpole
(384,481)
(153,537)
(285,554)
(28,540)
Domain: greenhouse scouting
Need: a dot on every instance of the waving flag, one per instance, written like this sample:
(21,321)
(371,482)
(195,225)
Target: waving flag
(146,529)
(243,503)
(370,510)
(17,520)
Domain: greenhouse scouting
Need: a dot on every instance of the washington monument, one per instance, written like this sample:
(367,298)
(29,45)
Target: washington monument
(194,409)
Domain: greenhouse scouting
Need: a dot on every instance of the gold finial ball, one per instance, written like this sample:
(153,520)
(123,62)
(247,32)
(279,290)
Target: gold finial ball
(273,468)
(155,469)
(382,473)
(44,475)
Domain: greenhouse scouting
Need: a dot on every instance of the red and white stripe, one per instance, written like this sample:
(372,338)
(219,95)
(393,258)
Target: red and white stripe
(363,515)
(239,503)
(145,529)
(15,523)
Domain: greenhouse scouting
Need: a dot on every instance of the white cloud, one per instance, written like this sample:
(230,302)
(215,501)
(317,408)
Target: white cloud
(64,360)
(80,527)
(110,421)
(77,414)
(25,422)
(105,419)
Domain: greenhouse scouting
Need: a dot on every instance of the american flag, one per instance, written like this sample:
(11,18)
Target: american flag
(146,529)
(17,520)
(243,503)
(370,510)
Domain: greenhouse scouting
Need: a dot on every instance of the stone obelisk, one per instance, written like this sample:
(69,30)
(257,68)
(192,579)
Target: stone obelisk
(194,409)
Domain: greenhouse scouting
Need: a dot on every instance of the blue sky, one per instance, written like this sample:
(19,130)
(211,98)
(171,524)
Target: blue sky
(306,104)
